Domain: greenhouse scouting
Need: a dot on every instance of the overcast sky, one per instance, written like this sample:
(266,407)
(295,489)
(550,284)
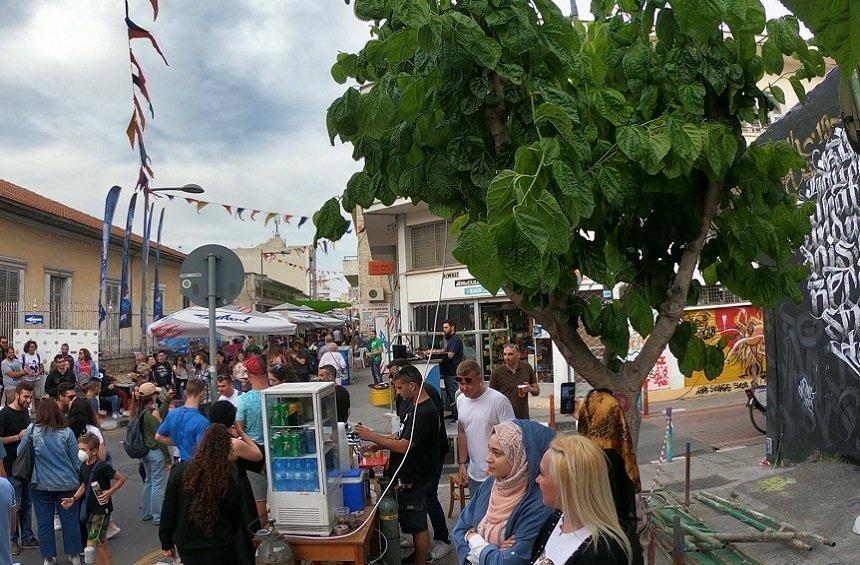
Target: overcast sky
(240,110)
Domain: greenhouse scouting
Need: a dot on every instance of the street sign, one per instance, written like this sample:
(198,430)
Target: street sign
(229,275)
(34,319)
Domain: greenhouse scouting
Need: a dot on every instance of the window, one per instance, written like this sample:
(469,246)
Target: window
(10,296)
(428,244)
(463,316)
(58,300)
(717,294)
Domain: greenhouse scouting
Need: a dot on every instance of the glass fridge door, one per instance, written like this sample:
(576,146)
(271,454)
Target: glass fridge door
(292,443)
(330,457)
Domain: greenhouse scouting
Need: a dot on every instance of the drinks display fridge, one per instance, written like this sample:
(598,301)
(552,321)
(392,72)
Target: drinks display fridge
(301,441)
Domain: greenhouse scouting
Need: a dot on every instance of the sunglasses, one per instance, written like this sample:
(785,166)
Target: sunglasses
(467,380)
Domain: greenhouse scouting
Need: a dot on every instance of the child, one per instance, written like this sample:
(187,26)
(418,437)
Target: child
(98,508)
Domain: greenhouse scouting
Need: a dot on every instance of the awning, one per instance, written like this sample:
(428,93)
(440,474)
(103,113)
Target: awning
(229,321)
(307,319)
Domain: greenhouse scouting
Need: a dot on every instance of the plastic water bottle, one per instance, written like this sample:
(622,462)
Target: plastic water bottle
(280,475)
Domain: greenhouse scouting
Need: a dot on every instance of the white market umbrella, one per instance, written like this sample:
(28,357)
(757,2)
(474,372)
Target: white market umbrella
(229,321)
(306,319)
(291,306)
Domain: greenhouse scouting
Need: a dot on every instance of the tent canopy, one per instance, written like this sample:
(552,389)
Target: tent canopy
(229,321)
(323,306)
(290,306)
(307,319)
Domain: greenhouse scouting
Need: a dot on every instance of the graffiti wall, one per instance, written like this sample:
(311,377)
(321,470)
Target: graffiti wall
(742,328)
(814,347)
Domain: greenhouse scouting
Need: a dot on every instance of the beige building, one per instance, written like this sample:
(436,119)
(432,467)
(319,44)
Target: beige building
(262,293)
(286,264)
(50,257)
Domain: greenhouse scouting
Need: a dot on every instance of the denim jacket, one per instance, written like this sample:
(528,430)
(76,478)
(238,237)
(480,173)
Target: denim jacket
(56,467)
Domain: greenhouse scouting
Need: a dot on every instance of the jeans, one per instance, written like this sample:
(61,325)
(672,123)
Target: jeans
(474,486)
(153,486)
(25,514)
(376,371)
(434,507)
(451,388)
(46,502)
(113,402)
(7,500)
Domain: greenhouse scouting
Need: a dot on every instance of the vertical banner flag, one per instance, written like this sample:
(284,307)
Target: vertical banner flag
(157,306)
(125,295)
(147,231)
(110,208)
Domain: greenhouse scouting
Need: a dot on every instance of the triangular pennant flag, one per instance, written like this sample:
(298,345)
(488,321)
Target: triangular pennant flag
(228,208)
(131,130)
(141,84)
(137,32)
(201,205)
(142,180)
(269,217)
(325,247)
(170,197)
(302,221)
(190,200)
(140,112)
(239,212)
(254,213)
(360,229)
(287,218)
(154,9)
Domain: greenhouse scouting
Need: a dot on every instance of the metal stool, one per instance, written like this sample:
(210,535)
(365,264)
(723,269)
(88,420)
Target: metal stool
(460,487)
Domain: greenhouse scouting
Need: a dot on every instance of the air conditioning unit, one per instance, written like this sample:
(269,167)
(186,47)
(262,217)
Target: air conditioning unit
(375,294)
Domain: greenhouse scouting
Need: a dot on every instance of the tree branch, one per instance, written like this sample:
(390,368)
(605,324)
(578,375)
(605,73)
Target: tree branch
(497,115)
(676,297)
(565,335)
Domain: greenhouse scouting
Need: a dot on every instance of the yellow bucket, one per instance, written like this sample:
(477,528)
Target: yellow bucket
(381,397)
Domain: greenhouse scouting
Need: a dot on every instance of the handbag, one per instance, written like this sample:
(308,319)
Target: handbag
(22,468)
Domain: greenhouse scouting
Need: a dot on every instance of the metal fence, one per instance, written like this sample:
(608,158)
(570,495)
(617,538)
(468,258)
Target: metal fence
(71,316)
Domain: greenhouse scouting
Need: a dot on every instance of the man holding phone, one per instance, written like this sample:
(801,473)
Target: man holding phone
(515,379)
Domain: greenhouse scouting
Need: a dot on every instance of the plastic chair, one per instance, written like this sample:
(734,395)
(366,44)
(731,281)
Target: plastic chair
(460,488)
(357,356)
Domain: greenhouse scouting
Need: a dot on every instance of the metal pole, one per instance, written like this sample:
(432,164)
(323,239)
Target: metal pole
(670,450)
(213,369)
(679,542)
(143,269)
(687,477)
(260,298)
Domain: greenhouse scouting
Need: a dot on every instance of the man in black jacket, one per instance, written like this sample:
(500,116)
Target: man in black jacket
(61,373)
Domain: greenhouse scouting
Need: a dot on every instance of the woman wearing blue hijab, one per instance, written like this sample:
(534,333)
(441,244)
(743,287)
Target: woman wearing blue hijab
(500,524)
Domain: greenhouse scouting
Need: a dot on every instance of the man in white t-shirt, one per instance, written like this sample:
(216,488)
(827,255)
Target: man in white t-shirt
(479,409)
(227,391)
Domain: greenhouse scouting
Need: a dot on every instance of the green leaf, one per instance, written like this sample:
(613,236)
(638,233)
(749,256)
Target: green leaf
(542,221)
(777,93)
(591,315)
(513,73)
(699,18)
(367,10)
(610,182)
(412,100)
(612,105)
(413,13)
(553,114)
(637,61)
(522,261)
(341,116)
(562,99)
(400,46)
(574,188)
(338,73)
(633,141)
(693,357)
(692,97)
(640,313)
(476,248)
(709,273)
(458,224)
(501,196)
(678,341)
(799,90)
(773,62)
(359,186)
(715,361)
(616,334)
(329,222)
(377,109)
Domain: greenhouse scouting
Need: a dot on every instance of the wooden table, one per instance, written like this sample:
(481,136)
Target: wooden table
(351,548)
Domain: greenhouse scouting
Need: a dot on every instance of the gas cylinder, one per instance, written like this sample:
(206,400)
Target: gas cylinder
(273,550)
(389,524)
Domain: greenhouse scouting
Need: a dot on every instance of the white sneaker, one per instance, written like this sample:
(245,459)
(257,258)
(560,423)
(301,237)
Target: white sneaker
(405,541)
(439,550)
(75,559)
(50,561)
(112,530)
(57,525)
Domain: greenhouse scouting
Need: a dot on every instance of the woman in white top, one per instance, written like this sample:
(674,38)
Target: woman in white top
(584,528)
(32,364)
(333,357)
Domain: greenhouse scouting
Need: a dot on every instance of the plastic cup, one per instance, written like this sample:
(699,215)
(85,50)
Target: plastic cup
(522,390)
(341,516)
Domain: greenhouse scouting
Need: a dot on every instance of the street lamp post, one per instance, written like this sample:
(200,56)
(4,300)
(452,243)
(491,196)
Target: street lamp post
(188,188)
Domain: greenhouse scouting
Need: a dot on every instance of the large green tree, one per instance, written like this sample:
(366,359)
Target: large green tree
(611,150)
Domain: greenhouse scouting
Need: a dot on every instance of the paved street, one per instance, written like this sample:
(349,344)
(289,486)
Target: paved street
(727,455)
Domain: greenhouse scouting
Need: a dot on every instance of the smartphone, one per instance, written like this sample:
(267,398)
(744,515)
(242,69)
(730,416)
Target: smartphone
(568,395)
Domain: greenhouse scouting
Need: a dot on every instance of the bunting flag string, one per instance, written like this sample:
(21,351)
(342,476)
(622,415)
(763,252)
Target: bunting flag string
(269,257)
(244,213)
(137,123)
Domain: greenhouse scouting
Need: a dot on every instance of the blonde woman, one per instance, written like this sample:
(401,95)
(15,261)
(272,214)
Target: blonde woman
(584,528)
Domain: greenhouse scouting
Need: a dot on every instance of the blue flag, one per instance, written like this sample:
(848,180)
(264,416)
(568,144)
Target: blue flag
(125,294)
(157,306)
(110,208)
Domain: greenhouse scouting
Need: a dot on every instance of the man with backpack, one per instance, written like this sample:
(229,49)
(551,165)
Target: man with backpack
(140,443)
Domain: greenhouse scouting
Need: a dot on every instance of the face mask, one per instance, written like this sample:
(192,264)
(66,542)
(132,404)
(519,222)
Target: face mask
(83,455)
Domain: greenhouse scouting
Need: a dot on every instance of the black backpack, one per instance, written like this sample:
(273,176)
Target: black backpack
(134,444)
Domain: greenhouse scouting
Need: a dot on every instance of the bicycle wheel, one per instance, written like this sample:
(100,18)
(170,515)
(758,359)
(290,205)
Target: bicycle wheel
(758,418)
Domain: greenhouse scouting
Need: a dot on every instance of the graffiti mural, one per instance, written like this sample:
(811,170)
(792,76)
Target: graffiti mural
(742,328)
(813,348)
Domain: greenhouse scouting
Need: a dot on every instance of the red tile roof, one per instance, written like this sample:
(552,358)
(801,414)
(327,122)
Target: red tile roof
(29,199)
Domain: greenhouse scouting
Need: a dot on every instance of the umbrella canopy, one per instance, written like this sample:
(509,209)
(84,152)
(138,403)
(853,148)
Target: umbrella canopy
(306,319)
(290,306)
(229,321)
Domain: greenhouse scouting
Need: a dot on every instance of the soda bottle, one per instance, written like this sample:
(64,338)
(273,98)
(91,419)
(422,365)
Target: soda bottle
(97,491)
(276,420)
